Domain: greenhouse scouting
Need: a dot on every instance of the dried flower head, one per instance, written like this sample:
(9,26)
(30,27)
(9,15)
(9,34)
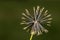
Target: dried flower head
(35,23)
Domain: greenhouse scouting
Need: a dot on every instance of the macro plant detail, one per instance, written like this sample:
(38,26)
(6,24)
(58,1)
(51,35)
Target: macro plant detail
(36,20)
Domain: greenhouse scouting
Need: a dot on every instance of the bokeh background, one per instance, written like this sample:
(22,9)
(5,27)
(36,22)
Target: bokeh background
(10,18)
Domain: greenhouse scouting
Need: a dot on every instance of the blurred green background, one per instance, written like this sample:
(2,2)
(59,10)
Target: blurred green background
(10,18)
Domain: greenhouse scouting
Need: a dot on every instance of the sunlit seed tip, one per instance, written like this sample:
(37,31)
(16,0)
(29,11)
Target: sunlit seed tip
(21,23)
(25,28)
(37,10)
(23,18)
(26,10)
(33,8)
(45,14)
(48,25)
(49,22)
(46,11)
(42,9)
(50,19)
(46,30)
(39,33)
(49,15)
(23,13)
(37,7)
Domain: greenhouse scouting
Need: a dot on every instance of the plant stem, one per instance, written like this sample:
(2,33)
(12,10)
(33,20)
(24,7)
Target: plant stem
(31,36)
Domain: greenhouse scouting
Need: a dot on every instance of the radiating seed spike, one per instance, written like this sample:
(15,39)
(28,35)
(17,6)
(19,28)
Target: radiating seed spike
(25,27)
(49,19)
(42,28)
(37,10)
(34,13)
(37,7)
(48,15)
(27,16)
(41,9)
(45,30)
(40,13)
(22,23)
(34,9)
(45,14)
(49,22)
(33,30)
(43,21)
(48,25)
(23,14)
(27,12)
(46,11)
(23,18)
(39,33)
